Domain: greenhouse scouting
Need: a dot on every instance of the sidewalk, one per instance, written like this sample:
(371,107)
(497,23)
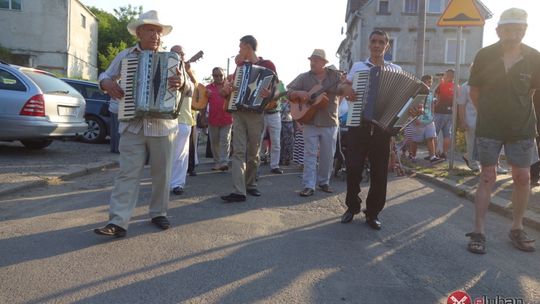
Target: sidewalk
(22,168)
(463,182)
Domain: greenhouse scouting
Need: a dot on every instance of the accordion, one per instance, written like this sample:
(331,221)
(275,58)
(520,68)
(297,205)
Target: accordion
(144,80)
(249,81)
(383,97)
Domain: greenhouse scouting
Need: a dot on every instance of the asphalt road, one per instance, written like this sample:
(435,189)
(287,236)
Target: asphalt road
(277,248)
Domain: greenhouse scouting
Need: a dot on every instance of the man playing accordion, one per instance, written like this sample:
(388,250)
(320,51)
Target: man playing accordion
(367,139)
(142,137)
(247,129)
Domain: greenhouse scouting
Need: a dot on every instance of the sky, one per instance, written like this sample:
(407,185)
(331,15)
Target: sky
(287,30)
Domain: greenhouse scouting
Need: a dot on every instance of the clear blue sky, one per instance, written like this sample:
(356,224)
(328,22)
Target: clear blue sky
(287,30)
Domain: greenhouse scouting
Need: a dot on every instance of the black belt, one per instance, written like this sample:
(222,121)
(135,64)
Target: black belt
(271,112)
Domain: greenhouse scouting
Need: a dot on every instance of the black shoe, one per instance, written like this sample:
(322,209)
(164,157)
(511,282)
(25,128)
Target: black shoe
(161,222)
(233,198)
(347,217)
(253,192)
(178,190)
(192,173)
(373,222)
(111,230)
(277,171)
(224,168)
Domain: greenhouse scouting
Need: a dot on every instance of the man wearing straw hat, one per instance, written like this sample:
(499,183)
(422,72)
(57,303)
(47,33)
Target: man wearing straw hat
(320,133)
(503,79)
(141,137)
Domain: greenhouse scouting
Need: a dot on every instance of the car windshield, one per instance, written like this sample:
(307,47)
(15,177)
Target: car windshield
(49,84)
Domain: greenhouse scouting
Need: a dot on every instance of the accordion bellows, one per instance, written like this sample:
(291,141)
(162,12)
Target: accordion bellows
(383,96)
(144,80)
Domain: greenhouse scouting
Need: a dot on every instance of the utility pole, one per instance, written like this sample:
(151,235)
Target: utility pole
(421,38)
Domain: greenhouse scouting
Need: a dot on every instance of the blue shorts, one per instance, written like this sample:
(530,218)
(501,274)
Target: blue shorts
(443,122)
(521,153)
(423,132)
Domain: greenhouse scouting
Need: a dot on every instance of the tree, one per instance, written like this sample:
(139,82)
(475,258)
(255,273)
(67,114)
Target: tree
(113,36)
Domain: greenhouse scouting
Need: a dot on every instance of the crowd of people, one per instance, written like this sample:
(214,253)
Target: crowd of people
(301,125)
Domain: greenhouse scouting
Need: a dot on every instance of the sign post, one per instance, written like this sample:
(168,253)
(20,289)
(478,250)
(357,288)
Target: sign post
(458,13)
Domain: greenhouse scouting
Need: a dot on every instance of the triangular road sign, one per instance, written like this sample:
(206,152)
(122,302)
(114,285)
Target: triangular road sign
(461,13)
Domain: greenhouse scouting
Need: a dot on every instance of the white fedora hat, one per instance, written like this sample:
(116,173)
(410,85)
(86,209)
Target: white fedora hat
(150,17)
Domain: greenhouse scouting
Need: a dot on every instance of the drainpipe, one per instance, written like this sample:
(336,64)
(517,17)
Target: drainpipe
(68,33)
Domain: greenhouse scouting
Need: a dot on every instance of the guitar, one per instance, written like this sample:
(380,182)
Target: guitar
(304,111)
(199,99)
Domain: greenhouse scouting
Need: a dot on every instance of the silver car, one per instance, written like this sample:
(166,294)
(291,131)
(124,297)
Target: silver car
(36,107)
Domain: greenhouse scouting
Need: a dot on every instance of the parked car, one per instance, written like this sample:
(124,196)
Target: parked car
(36,107)
(96,115)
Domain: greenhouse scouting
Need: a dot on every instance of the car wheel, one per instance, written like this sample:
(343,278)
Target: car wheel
(36,143)
(96,132)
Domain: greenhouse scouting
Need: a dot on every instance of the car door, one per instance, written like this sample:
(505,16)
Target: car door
(14,93)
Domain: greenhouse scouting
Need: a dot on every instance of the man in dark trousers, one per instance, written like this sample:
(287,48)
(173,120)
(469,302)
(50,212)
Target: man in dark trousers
(368,140)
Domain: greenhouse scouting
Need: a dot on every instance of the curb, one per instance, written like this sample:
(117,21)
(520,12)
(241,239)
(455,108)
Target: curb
(64,177)
(498,204)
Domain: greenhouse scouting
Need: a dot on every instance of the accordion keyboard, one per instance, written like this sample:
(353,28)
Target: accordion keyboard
(360,85)
(239,75)
(126,106)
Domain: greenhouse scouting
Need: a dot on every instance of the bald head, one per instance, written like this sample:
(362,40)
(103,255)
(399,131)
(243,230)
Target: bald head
(178,49)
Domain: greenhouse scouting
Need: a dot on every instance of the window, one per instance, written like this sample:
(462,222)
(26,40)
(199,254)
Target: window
(11,4)
(390,54)
(435,6)
(9,82)
(83,21)
(410,6)
(450,51)
(384,7)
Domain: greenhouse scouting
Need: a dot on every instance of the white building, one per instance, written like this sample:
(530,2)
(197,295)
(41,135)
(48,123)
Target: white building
(59,36)
(399,18)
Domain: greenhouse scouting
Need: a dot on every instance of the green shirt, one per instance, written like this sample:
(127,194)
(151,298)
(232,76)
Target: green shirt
(505,109)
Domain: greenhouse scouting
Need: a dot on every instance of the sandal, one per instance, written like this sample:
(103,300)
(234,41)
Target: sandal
(521,241)
(477,243)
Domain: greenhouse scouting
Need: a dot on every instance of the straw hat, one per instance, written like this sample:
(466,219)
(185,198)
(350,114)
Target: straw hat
(150,17)
(318,53)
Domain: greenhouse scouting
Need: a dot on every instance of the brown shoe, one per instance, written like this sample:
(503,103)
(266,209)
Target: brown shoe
(307,192)
(326,188)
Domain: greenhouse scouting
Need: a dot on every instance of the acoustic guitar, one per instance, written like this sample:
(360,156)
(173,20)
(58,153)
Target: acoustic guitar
(304,111)
(199,100)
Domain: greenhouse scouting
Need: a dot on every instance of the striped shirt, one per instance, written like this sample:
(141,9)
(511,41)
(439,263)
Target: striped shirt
(153,127)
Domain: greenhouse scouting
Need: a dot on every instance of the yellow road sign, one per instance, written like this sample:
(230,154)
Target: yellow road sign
(461,13)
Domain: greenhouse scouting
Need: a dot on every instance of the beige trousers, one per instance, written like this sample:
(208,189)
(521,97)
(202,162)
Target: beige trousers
(134,149)
(247,129)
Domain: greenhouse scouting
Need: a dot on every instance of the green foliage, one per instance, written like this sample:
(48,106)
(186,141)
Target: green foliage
(113,36)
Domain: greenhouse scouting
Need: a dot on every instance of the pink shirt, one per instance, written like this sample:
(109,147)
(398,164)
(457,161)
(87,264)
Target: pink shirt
(217,116)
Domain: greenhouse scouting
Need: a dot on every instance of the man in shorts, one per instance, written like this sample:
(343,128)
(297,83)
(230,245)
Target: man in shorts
(503,79)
